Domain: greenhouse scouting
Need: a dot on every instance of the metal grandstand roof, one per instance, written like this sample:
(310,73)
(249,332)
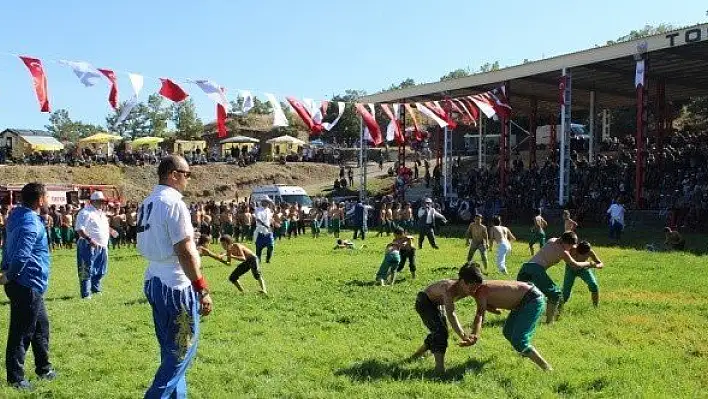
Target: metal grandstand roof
(680,57)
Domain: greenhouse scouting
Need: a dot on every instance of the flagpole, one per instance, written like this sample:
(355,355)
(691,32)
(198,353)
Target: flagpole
(479,141)
(445,164)
(361,160)
(561,188)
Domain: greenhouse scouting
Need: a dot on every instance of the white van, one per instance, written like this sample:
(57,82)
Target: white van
(543,133)
(281,193)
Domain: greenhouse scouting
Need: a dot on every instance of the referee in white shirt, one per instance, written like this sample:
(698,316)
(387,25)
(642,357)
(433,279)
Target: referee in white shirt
(263,234)
(174,284)
(427,221)
(92,245)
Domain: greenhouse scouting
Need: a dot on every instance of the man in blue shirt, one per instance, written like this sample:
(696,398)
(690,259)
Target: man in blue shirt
(25,275)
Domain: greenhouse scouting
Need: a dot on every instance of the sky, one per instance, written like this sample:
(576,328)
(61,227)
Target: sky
(308,48)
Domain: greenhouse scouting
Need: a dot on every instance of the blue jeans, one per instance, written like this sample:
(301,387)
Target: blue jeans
(92,263)
(616,230)
(265,241)
(176,316)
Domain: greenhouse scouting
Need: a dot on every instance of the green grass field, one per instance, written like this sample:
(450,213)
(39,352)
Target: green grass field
(327,331)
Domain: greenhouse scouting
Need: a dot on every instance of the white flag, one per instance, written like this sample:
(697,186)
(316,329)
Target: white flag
(391,128)
(213,91)
(329,126)
(84,71)
(137,82)
(367,134)
(279,118)
(484,105)
(639,75)
(430,114)
(315,110)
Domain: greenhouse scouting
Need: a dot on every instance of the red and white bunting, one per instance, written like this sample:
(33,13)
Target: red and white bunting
(39,80)
(113,94)
(370,122)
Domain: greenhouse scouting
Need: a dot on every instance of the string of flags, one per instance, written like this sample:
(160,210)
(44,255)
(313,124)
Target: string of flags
(493,104)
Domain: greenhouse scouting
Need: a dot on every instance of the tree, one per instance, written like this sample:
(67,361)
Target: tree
(64,129)
(259,107)
(187,123)
(157,115)
(61,126)
(647,30)
(136,124)
(456,74)
(347,128)
(487,67)
(405,83)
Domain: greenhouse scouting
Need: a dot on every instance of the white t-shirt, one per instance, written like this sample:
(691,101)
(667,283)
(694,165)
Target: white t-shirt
(94,223)
(616,212)
(163,221)
(264,218)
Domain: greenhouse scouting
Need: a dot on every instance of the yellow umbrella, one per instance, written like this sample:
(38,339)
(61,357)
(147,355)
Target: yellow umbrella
(100,138)
(149,141)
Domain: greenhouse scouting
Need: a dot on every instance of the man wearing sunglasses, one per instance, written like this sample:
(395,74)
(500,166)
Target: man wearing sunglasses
(174,284)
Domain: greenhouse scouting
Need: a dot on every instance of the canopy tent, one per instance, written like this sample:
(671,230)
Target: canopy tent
(286,140)
(285,145)
(241,143)
(100,138)
(43,143)
(146,141)
(99,143)
(239,140)
(182,147)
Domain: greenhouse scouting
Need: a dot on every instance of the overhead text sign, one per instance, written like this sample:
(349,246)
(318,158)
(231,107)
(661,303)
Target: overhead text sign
(687,36)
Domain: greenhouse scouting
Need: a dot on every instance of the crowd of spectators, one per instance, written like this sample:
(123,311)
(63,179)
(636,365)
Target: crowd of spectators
(675,180)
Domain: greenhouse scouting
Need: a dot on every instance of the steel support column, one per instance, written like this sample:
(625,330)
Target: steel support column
(363,160)
(553,143)
(605,124)
(504,148)
(564,170)
(591,146)
(402,149)
(640,136)
(532,130)
(662,126)
(480,140)
(446,163)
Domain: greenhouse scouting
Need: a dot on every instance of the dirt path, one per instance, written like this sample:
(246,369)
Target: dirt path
(373,172)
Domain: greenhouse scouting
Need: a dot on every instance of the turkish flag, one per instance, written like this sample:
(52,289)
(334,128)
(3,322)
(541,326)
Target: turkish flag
(474,111)
(171,91)
(315,128)
(441,113)
(39,79)
(394,126)
(113,95)
(370,122)
(220,121)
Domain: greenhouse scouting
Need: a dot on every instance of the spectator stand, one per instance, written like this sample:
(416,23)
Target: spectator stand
(672,65)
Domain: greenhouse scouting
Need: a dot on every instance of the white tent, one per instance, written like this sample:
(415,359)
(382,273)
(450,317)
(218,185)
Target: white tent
(239,140)
(286,140)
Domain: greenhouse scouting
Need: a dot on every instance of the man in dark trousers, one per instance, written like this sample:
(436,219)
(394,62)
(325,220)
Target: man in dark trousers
(25,275)
(427,218)
(359,213)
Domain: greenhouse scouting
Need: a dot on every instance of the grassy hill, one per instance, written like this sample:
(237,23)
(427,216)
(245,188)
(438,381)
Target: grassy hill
(219,182)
